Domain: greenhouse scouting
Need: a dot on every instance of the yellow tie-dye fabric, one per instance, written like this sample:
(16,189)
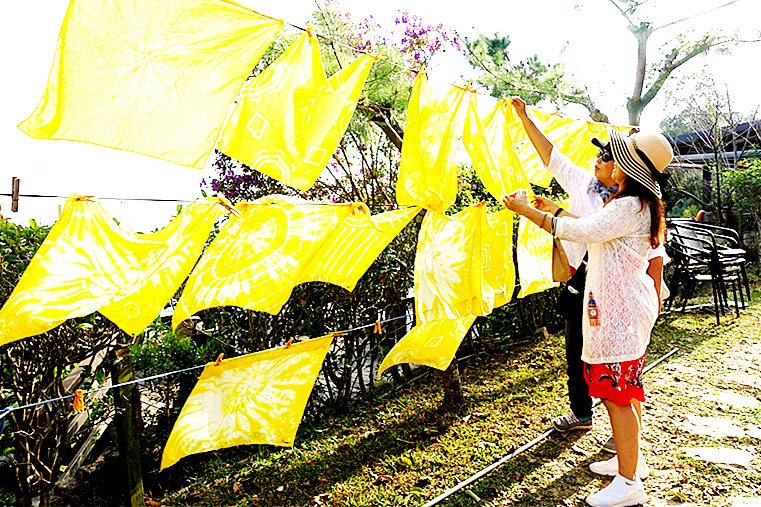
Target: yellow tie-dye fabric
(432,344)
(570,136)
(253,399)
(87,263)
(534,258)
(259,257)
(534,255)
(463,269)
(350,250)
(427,172)
(448,265)
(156,78)
(498,270)
(289,119)
(491,150)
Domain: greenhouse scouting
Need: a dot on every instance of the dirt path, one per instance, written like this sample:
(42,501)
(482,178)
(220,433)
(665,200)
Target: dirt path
(702,435)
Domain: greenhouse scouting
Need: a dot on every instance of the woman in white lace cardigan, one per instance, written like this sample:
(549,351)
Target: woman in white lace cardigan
(622,302)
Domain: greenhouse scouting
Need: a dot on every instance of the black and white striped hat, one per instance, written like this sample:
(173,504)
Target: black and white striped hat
(642,156)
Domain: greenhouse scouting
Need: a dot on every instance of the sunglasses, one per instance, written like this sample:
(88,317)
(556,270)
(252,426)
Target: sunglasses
(605,155)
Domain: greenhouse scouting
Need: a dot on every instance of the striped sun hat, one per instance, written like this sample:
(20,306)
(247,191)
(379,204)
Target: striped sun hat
(642,156)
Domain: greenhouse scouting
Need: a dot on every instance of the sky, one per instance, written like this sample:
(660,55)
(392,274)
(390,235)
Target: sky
(588,36)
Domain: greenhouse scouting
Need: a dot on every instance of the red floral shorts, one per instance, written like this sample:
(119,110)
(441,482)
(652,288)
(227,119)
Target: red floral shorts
(617,382)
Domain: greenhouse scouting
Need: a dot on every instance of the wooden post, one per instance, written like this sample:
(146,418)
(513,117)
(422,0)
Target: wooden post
(15,182)
(127,404)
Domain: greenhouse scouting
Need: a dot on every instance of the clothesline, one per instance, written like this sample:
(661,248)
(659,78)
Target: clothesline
(144,199)
(7,410)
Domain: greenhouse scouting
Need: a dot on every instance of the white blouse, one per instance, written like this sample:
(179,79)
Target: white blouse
(618,240)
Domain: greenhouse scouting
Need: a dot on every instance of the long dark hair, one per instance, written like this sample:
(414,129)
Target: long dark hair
(633,188)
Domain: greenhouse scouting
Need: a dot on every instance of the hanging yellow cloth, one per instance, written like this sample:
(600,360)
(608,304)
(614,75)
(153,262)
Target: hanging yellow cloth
(432,344)
(350,250)
(152,77)
(87,263)
(253,399)
(463,269)
(427,172)
(289,119)
(534,255)
(258,258)
(497,260)
(448,265)
(534,258)
(490,147)
(571,136)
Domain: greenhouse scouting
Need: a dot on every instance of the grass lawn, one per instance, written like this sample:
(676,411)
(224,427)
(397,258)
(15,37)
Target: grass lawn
(405,451)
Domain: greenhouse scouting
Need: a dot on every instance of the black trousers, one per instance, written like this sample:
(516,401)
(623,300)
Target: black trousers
(570,305)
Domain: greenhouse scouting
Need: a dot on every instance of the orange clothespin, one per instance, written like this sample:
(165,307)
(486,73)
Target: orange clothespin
(288,343)
(219,359)
(79,400)
(377,329)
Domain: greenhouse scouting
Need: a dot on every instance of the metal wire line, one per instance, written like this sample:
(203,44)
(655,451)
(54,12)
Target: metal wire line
(7,410)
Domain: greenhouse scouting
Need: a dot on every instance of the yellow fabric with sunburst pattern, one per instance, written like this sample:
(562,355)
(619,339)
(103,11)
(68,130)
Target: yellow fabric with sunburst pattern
(491,150)
(427,172)
(87,263)
(289,119)
(277,243)
(253,399)
(153,77)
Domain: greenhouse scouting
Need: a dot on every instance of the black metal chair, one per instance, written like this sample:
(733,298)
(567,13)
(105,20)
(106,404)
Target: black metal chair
(732,255)
(697,259)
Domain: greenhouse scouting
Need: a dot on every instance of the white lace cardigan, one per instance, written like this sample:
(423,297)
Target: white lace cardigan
(618,242)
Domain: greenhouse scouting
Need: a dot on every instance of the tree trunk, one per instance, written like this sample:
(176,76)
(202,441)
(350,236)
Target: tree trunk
(453,396)
(635,104)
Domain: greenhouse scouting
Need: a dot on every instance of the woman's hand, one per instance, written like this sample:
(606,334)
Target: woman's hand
(519,105)
(517,202)
(543,204)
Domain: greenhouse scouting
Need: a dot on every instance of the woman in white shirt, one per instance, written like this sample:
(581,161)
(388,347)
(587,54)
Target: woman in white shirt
(621,301)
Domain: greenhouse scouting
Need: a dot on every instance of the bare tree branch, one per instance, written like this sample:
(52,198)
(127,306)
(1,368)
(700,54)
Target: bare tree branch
(696,15)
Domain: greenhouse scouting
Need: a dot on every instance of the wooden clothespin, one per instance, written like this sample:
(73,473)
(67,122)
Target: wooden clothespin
(289,343)
(229,207)
(220,357)
(377,329)
(79,401)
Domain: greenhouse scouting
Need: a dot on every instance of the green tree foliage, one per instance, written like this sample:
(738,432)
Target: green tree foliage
(744,190)
(37,441)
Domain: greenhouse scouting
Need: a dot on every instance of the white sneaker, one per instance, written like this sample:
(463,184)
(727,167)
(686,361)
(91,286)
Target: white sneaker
(610,467)
(619,493)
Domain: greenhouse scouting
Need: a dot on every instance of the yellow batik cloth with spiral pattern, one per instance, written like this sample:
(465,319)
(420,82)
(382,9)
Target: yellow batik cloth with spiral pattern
(88,263)
(289,119)
(152,77)
(253,399)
